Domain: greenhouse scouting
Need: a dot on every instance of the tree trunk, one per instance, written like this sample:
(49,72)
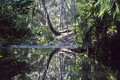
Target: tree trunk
(48,20)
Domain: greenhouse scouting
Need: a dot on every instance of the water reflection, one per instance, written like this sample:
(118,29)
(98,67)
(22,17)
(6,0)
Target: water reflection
(50,64)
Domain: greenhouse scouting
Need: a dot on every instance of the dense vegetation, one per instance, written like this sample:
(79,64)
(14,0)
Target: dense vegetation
(96,27)
(13,30)
(101,20)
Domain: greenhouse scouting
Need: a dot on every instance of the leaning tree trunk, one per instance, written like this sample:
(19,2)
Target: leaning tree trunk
(48,20)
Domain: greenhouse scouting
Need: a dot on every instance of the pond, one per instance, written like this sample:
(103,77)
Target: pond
(51,64)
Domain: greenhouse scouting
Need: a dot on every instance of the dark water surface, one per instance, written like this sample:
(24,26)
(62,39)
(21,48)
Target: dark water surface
(51,64)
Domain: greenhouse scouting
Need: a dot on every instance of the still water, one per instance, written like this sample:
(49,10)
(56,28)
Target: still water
(51,64)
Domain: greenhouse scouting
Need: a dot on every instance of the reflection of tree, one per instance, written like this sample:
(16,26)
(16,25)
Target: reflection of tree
(60,68)
(40,63)
(10,66)
(48,62)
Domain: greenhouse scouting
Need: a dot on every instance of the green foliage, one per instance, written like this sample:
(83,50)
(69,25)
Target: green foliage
(96,19)
(15,7)
(85,19)
(99,26)
(13,22)
(45,35)
(13,30)
(111,7)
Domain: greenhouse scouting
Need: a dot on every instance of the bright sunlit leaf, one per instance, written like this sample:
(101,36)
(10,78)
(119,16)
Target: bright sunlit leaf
(1,56)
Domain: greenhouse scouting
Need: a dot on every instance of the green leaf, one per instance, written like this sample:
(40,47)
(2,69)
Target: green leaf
(85,55)
(96,62)
(113,27)
(16,0)
(1,56)
(24,1)
(97,3)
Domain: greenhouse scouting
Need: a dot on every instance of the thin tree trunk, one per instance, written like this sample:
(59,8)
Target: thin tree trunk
(40,63)
(74,10)
(60,17)
(48,62)
(39,4)
(48,20)
(68,8)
